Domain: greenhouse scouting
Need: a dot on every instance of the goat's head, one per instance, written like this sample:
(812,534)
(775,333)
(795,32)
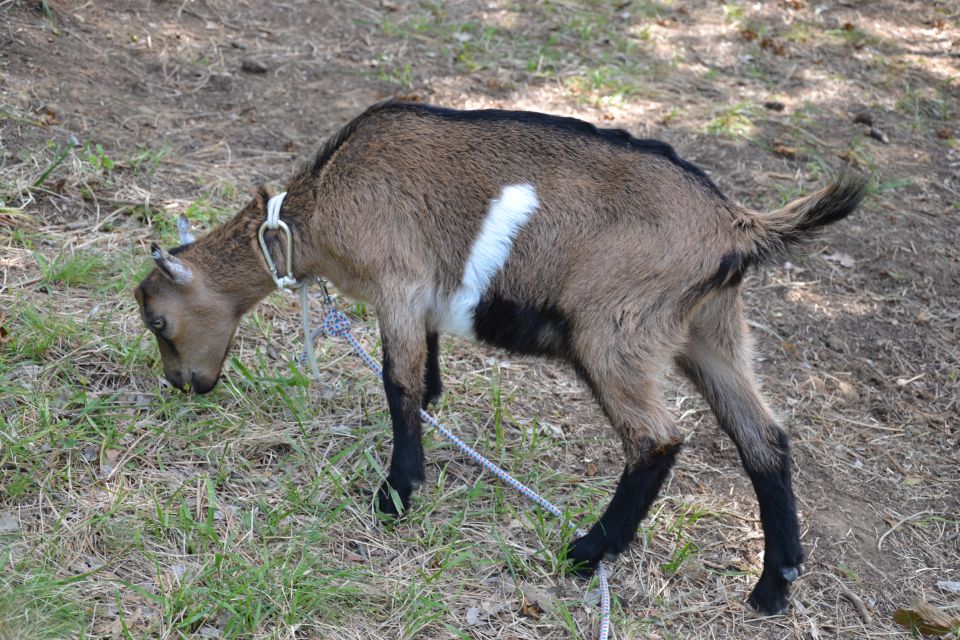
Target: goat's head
(193,320)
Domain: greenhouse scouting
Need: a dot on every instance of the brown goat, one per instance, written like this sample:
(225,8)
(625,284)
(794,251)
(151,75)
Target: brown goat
(537,234)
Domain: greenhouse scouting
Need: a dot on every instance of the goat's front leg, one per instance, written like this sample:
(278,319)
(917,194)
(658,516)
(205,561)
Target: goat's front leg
(404,371)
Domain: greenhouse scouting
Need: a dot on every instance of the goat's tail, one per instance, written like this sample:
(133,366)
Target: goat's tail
(774,233)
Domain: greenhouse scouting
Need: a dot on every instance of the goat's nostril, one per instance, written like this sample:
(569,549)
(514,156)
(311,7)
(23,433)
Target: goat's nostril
(201,385)
(175,381)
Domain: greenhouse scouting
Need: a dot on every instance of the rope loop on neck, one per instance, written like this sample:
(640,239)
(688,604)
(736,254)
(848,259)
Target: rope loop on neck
(274,223)
(273,210)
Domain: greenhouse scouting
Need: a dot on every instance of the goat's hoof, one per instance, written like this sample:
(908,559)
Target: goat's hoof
(769,597)
(584,554)
(388,499)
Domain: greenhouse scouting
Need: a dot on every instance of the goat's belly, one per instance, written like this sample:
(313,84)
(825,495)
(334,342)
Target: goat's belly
(519,327)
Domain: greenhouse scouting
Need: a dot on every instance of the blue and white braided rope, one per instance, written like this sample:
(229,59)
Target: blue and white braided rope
(336,325)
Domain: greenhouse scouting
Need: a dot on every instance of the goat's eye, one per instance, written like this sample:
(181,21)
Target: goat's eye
(158,324)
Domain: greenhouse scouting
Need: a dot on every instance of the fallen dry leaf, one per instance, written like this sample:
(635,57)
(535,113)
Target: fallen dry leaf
(926,619)
(784,150)
(530,609)
(773,45)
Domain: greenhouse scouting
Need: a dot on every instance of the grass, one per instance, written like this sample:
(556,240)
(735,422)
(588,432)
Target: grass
(596,54)
(733,121)
(249,535)
(241,537)
(38,606)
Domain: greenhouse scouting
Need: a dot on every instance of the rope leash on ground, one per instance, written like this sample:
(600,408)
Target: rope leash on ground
(336,325)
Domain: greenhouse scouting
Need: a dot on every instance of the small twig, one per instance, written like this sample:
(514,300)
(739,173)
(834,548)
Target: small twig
(894,527)
(857,603)
(126,458)
(26,283)
(767,330)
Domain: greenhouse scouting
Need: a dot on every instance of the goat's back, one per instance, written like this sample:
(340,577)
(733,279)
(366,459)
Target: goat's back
(622,209)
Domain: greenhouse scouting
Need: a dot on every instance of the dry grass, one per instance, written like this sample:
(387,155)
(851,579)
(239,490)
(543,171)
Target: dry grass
(129,511)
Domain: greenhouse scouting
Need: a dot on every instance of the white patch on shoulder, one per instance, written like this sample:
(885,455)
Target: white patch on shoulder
(489,253)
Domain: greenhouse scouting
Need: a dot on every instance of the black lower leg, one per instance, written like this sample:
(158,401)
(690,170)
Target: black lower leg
(783,555)
(434,385)
(616,528)
(406,462)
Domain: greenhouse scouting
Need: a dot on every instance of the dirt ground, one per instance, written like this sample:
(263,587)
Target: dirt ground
(127,510)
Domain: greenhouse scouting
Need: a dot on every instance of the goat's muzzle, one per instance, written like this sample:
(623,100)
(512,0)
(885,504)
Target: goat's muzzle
(201,385)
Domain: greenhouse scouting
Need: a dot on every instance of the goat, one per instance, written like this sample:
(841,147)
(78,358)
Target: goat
(537,234)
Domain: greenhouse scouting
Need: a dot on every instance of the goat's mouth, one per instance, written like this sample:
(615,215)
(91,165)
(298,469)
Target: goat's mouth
(200,385)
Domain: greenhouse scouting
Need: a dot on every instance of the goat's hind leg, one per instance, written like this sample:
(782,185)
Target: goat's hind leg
(629,395)
(717,359)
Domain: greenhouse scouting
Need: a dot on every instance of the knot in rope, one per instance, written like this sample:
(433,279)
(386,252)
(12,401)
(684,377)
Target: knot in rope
(335,324)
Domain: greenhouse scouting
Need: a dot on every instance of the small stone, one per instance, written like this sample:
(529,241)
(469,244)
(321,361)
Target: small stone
(835,343)
(253,66)
(50,111)
(221,81)
(949,585)
(847,391)
(90,453)
(8,522)
(473,616)
(845,260)
(877,134)
(774,105)
(817,384)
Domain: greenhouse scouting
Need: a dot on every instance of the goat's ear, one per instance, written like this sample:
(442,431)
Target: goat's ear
(170,266)
(183,228)
(261,196)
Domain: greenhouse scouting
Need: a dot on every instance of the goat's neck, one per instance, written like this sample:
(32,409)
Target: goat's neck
(230,257)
